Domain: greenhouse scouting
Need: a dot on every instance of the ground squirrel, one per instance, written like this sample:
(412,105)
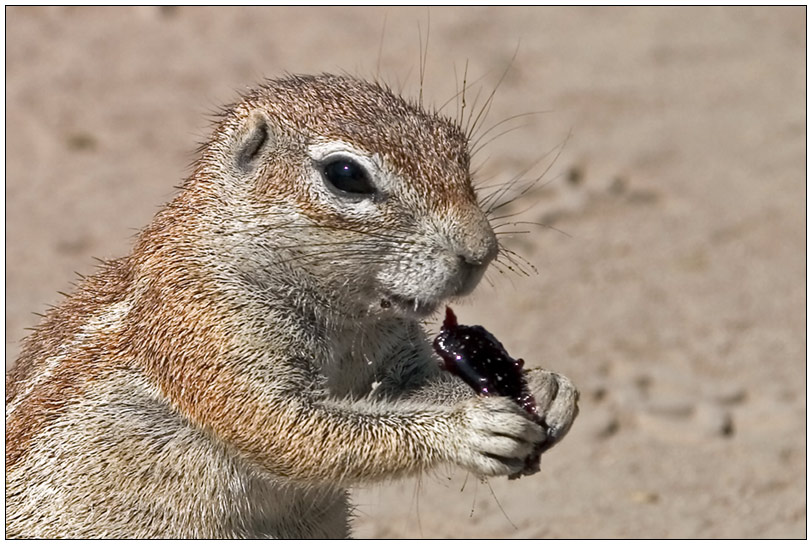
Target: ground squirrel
(260,350)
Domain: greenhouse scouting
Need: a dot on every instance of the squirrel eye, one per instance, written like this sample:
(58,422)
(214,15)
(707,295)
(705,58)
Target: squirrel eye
(347,176)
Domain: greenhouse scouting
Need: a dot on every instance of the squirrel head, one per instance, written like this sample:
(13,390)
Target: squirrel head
(353,190)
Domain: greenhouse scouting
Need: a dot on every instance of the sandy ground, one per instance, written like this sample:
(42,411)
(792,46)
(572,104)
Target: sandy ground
(670,285)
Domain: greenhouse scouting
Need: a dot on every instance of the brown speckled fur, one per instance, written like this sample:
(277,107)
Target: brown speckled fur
(260,349)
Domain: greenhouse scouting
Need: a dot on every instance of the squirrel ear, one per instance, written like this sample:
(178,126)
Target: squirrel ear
(252,140)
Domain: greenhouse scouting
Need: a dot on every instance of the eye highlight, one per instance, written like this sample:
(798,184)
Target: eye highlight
(347,176)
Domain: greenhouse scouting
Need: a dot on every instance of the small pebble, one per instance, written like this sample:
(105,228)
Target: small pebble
(713,421)
(81,141)
(575,175)
(597,394)
(643,382)
(617,186)
(644,496)
(604,425)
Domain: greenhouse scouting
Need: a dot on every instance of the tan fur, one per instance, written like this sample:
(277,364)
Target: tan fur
(260,349)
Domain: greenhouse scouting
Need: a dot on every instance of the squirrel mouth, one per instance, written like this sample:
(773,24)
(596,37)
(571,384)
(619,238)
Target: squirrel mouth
(408,305)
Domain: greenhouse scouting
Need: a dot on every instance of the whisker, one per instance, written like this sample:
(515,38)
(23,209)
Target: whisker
(345,256)
(506,120)
(560,149)
(511,254)
(380,49)
(483,113)
(459,91)
(464,88)
(498,265)
(291,231)
(514,214)
(507,186)
(514,259)
(500,505)
(473,105)
(513,268)
(381,233)
(488,142)
(545,225)
(518,265)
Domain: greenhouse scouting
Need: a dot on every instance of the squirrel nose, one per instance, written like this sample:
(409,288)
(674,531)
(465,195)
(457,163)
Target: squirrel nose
(480,257)
(480,249)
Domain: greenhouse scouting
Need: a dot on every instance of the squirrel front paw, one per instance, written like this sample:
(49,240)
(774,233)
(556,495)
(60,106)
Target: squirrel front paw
(556,401)
(496,436)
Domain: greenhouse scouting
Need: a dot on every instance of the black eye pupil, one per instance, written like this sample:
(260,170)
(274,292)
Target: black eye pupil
(348,176)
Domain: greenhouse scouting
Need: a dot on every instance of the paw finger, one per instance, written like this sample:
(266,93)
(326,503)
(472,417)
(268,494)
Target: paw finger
(562,411)
(503,447)
(494,466)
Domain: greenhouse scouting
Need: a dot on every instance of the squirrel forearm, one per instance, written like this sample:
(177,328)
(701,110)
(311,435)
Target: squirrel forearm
(337,442)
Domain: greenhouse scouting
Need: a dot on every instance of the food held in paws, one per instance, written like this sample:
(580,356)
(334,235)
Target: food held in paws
(479,359)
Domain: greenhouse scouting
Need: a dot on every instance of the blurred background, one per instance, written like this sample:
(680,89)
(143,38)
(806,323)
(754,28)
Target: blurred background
(668,272)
